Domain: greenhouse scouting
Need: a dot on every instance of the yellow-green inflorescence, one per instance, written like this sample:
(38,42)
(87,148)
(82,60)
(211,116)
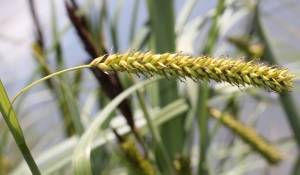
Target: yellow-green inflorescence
(249,135)
(135,160)
(220,69)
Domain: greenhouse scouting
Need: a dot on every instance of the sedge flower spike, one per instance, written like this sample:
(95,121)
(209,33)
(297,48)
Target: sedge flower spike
(250,136)
(220,69)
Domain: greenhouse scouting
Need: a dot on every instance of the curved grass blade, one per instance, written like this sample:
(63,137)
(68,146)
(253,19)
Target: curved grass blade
(15,129)
(81,159)
(60,155)
(155,134)
(141,37)
(184,14)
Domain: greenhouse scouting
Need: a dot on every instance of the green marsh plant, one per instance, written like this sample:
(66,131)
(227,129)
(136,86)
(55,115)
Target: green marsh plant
(171,113)
(205,68)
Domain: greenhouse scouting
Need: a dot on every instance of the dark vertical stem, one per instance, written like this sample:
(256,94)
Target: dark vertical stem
(111,83)
(40,39)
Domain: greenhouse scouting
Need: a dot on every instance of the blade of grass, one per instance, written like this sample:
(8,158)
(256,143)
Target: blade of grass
(163,37)
(202,114)
(155,134)
(287,100)
(111,165)
(170,111)
(4,133)
(285,97)
(141,38)
(60,155)
(162,21)
(186,11)
(204,93)
(296,169)
(52,159)
(81,163)
(15,129)
(68,108)
(133,19)
(172,132)
(114,25)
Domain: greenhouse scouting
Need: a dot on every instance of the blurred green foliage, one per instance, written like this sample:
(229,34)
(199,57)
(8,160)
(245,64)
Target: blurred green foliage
(161,125)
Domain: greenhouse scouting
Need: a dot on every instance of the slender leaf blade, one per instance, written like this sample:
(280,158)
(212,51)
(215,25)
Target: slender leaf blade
(286,98)
(81,159)
(15,129)
(163,35)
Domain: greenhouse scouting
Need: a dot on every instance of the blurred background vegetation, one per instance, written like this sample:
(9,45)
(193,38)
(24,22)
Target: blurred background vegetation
(72,125)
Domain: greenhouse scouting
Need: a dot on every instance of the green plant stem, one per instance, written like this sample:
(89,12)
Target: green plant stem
(155,133)
(202,114)
(133,20)
(204,95)
(217,126)
(47,77)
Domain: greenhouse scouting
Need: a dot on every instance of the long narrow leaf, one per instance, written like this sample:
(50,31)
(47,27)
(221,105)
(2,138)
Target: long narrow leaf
(15,129)
(285,97)
(155,134)
(81,160)
(60,155)
(163,34)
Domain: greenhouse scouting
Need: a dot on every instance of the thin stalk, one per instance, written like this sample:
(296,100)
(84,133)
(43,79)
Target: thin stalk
(114,25)
(47,77)
(217,126)
(202,114)
(203,92)
(133,21)
(220,119)
(76,126)
(155,134)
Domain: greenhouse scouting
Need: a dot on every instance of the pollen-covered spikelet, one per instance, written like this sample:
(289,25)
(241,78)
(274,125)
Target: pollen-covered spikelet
(220,69)
(249,135)
(135,160)
(182,165)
